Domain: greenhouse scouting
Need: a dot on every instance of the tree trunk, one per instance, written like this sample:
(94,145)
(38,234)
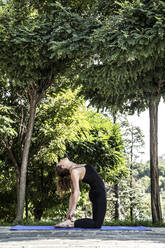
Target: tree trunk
(131,193)
(22,189)
(131,176)
(117,205)
(26,199)
(155,192)
(116,185)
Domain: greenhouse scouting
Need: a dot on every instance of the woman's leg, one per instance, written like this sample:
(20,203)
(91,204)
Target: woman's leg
(98,209)
(85,223)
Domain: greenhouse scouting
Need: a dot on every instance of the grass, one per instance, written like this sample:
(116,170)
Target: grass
(30,223)
(146,223)
(106,223)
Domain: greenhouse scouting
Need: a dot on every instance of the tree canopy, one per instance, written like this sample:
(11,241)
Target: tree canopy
(129,57)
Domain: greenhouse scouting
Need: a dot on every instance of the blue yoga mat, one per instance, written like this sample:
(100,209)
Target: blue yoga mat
(103,228)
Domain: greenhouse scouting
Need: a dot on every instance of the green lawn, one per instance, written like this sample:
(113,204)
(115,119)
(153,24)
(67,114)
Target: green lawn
(111,223)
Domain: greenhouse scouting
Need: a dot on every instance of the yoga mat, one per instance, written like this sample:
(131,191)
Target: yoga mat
(127,228)
(103,228)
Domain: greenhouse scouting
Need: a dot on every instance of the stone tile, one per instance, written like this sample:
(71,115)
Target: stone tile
(85,238)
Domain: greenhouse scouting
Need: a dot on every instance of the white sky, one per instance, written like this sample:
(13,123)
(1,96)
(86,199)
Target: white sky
(142,121)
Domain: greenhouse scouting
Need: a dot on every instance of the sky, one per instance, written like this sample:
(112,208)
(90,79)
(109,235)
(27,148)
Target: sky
(142,121)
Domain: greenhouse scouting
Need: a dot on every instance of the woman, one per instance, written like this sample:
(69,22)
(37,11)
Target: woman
(97,194)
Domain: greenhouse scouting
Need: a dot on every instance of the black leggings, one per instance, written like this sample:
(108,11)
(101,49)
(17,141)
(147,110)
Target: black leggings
(98,200)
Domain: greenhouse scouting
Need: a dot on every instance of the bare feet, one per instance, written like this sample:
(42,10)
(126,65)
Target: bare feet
(66,223)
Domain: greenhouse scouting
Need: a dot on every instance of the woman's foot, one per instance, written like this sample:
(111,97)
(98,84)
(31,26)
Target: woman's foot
(66,223)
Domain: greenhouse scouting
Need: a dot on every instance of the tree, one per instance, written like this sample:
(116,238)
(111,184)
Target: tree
(62,122)
(134,143)
(30,62)
(58,118)
(127,70)
(19,73)
(56,122)
(116,187)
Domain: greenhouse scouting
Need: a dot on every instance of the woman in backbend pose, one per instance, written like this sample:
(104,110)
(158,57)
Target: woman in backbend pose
(97,195)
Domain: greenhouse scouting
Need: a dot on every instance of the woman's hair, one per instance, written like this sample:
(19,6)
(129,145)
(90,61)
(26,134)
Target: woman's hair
(63,180)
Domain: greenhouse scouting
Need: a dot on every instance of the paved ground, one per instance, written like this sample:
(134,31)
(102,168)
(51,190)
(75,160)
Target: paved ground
(76,239)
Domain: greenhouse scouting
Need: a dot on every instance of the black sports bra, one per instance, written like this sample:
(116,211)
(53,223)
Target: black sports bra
(93,178)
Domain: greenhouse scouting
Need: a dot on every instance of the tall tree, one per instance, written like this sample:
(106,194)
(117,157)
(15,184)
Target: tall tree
(127,71)
(30,62)
(134,143)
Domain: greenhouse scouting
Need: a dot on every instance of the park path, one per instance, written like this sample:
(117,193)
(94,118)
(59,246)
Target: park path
(86,238)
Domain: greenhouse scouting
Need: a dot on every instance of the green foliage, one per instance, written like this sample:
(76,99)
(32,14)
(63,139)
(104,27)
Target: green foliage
(132,189)
(6,123)
(7,190)
(133,138)
(59,119)
(143,174)
(78,6)
(107,8)
(63,124)
(140,201)
(40,46)
(127,68)
(102,148)
(70,36)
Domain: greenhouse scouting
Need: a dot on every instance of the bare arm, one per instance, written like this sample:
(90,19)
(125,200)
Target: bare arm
(74,194)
